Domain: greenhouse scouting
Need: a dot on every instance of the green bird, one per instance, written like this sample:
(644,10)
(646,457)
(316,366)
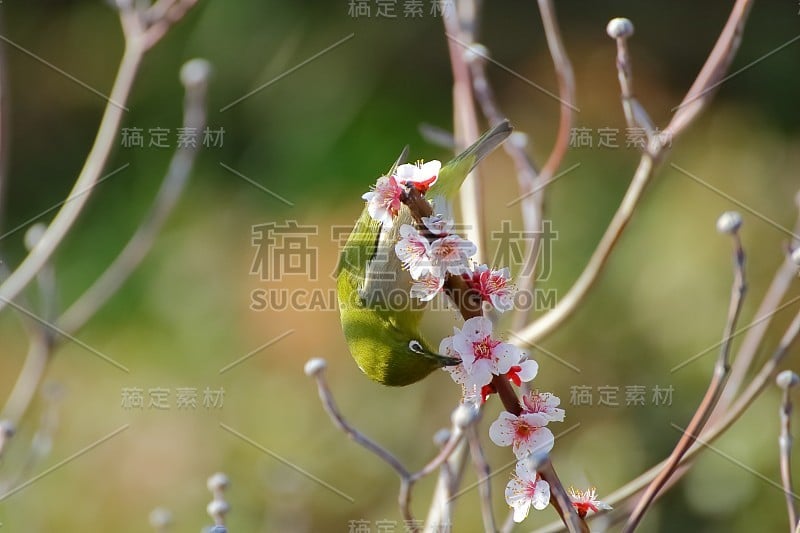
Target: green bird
(379,318)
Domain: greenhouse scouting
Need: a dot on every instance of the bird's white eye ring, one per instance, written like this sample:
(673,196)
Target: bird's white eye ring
(415,346)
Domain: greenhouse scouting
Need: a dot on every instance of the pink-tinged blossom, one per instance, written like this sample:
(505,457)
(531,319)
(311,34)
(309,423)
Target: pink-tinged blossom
(545,404)
(524,371)
(451,255)
(427,287)
(438,225)
(482,355)
(493,286)
(458,373)
(526,433)
(585,501)
(525,490)
(383,201)
(413,250)
(419,175)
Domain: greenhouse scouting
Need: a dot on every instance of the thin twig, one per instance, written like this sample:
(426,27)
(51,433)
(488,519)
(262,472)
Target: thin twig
(42,441)
(484,472)
(459,21)
(742,403)
(172,186)
(135,48)
(566,93)
(786,380)
(532,195)
(43,339)
(450,474)
(748,349)
(721,370)
(560,499)
(40,341)
(164,18)
(362,440)
(568,304)
(712,71)
(636,116)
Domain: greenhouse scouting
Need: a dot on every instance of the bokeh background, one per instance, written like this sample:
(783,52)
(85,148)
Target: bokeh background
(317,138)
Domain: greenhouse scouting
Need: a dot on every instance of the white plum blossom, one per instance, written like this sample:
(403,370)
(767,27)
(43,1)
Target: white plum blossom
(427,287)
(457,372)
(545,404)
(419,175)
(526,433)
(483,356)
(450,255)
(438,225)
(526,489)
(383,201)
(493,286)
(584,501)
(413,249)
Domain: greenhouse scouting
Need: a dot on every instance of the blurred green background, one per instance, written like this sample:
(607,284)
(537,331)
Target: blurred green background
(318,137)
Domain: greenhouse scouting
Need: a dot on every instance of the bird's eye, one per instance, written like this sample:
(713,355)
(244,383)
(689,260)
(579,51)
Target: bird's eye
(415,346)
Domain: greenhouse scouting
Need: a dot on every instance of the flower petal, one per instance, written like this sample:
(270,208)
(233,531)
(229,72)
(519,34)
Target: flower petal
(541,495)
(477,328)
(528,370)
(501,432)
(505,356)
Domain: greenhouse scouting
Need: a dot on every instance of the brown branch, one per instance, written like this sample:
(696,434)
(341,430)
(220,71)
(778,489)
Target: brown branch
(559,498)
(709,77)
(786,380)
(460,22)
(742,403)
(713,392)
(713,71)
(484,472)
(768,307)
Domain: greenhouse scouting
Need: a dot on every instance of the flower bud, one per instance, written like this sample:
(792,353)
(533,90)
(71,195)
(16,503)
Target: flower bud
(218,482)
(7,429)
(729,222)
(465,414)
(787,379)
(796,256)
(619,28)
(315,366)
(195,72)
(217,508)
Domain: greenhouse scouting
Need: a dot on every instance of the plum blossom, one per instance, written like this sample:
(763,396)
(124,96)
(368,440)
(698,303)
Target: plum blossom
(482,355)
(420,175)
(526,489)
(493,286)
(383,201)
(427,287)
(545,404)
(438,225)
(524,371)
(413,250)
(526,433)
(451,255)
(584,501)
